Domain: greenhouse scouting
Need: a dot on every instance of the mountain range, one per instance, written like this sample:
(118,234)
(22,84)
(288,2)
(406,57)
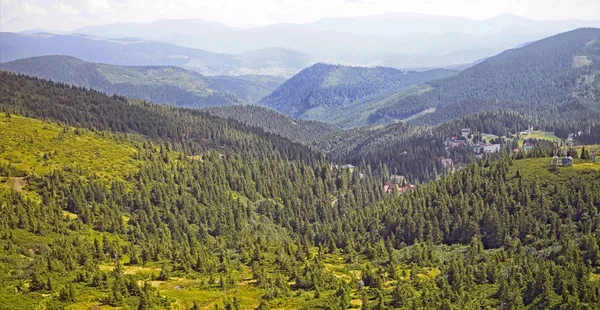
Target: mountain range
(538,75)
(161,84)
(140,52)
(401,40)
(544,73)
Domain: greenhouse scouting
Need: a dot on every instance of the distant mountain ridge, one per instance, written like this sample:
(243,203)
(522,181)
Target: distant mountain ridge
(154,29)
(161,84)
(400,40)
(324,89)
(398,24)
(139,52)
(534,76)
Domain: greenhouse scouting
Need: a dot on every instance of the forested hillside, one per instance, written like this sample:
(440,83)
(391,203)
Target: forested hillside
(322,89)
(169,85)
(305,132)
(415,151)
(129,182)
(249,88)
(412,151)
(191,130)
(538,76)
(148,227)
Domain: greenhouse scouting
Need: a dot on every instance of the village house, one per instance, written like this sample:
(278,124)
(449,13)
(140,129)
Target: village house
(478,148)
(456,142)
(491,148)
(465,132)
(527,146)
(570,141)
(527,132)
(391,188)
(335,166)
(397,179)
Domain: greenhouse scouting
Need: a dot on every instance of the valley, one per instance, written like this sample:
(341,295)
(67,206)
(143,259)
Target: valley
(387,161)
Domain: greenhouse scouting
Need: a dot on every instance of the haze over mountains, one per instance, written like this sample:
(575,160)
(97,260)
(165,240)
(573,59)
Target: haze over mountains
(140,52)
(400,40)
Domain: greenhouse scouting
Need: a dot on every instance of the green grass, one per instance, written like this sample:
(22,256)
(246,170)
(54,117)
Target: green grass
(415,116)
(591,148)
(542,135)
(488,137)
(38,148)
(539,169)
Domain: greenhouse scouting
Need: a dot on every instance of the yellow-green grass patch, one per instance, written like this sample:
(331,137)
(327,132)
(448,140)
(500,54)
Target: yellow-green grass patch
(38,147)
(541,135)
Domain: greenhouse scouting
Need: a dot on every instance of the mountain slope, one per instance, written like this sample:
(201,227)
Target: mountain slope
(195,131)
(301,131)
(532,76)
(250,88)
(139,52)
(169,85)
(322,89)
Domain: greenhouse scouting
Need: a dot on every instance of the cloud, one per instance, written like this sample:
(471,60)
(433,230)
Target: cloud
(66,8)
(8,3)
(362,1)
(35,10)
(99,7)
(17,15)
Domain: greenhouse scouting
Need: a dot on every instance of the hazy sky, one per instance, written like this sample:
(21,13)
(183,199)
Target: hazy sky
(17,15)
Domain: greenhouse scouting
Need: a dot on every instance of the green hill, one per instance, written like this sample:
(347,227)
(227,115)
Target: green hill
(535,78)
(321,90)
(193,130)
(169,85)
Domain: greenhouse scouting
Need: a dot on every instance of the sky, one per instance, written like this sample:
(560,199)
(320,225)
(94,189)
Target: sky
(66,15)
